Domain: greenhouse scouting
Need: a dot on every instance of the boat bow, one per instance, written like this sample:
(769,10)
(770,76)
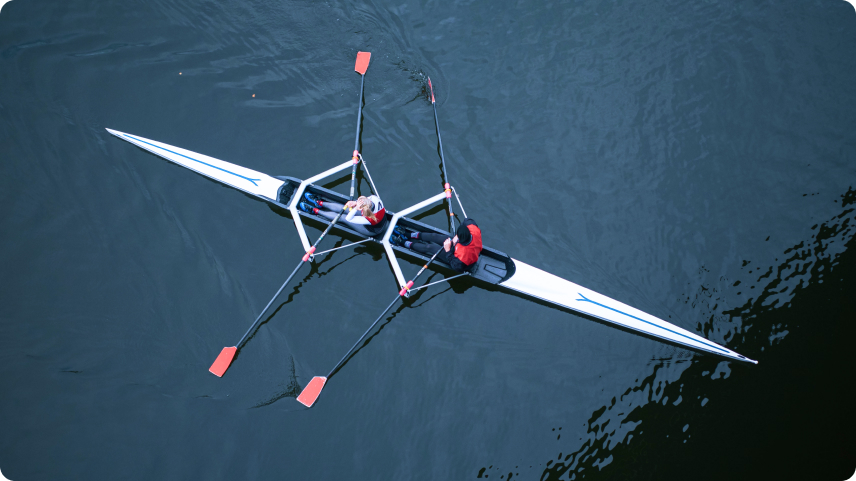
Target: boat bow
(553,289)
(241,178)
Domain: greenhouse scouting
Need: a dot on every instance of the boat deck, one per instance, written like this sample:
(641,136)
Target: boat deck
(493,266)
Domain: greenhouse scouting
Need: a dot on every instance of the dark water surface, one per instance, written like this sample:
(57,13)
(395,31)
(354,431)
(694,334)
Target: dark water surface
(696,160)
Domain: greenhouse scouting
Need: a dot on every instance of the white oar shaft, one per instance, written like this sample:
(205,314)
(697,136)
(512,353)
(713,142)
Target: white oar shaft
(459,202)
(341,247)
(374,188)
(437,282)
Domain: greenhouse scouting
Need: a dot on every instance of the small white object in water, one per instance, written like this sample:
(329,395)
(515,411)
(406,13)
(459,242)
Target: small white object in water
(851,2)
(3,2)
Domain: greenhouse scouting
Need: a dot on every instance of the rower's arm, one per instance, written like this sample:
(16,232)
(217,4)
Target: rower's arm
(356,219)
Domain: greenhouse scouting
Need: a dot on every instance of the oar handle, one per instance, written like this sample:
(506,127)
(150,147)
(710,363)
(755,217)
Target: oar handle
(356,159)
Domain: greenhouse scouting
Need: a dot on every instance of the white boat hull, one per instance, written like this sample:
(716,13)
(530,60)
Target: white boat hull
(241,178)
(526,279)
(555,290)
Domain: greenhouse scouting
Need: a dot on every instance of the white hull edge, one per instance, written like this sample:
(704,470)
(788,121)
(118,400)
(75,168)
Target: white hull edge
(241,178)
(553,289)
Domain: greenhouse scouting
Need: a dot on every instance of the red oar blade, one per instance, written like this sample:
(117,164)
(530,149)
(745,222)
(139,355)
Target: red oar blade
(431,87)
(312,391)
(223,361)
(362,62)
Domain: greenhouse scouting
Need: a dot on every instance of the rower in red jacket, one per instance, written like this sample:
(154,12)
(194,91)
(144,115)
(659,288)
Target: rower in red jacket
(461,252)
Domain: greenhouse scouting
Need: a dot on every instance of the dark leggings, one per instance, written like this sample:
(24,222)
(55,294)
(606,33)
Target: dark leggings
(431,244)
(335,207)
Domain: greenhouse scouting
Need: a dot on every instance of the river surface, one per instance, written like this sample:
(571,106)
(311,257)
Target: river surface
(696,160)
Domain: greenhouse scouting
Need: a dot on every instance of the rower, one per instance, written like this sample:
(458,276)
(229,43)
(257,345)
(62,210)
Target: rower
(461,252)
(371,222)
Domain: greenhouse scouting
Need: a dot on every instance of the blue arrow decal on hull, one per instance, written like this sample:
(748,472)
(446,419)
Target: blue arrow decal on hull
(195,160)
(712,346)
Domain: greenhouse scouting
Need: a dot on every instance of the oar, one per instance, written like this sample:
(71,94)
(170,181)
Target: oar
(224,360)
(443,161)
(312,390)
(361,66)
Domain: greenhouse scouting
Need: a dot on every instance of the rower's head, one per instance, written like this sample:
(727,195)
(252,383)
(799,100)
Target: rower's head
(365,206)
(464,236)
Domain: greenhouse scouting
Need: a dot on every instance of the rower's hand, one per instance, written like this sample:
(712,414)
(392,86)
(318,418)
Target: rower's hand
(455,239)
(351,204)
(447,245)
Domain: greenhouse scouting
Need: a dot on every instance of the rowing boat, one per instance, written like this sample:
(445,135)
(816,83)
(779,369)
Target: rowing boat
(493,268)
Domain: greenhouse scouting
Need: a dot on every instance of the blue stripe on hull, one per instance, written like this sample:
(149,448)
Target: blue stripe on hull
(253,181)
(712,346)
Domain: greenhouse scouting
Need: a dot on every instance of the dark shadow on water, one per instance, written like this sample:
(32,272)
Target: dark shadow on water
(291,390)
(441,207)
(765,421)
(759,422)
(333,183)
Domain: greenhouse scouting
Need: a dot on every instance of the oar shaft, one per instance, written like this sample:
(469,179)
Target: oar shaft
(304,259)
(359,128)
(335,220)
(448,279)
(442,160)
(443,163)
(227,354)
(256,322)
(400,295)
(427,264)
(440,143)
(341,361)
(360,112)
(352,244)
